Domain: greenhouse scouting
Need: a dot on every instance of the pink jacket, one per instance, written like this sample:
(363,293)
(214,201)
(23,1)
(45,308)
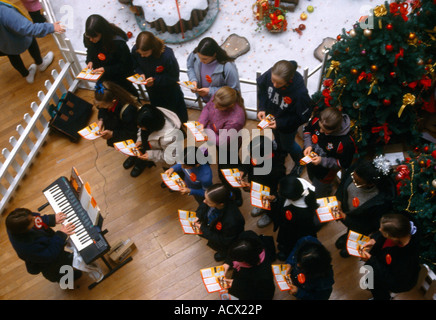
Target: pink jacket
(215,120)
(32,5)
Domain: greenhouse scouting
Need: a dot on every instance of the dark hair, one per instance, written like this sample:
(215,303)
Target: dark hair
(209,47)
(284,69)
(18,220)
(290,187)
(219,193)
(148,41)
(151,118)
(366,170)
(96,24)
(313,259)
(108,91)
(246,250)
(396,225)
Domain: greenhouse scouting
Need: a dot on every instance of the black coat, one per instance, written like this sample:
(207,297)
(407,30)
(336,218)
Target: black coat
(257,282)
(293,223)
(116,61)
(224,229)
(396,268)
(365,219)
(122,120)
(42,249)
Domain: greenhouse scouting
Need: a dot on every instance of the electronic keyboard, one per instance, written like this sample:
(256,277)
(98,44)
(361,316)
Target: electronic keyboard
(87,238)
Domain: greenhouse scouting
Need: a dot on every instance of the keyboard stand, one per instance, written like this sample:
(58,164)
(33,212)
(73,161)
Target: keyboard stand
(112,270)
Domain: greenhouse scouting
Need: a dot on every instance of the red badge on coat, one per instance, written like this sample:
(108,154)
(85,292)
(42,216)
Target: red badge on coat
(193,177)
(288,215)
(388,259)
(208,78)
(287,100)
(159,69)
(219,226)
(356,202)
(301,278)
(101,57)
(314,138)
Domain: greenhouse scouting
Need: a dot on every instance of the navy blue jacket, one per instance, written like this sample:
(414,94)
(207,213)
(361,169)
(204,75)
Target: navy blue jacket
(42,248)
(291,105)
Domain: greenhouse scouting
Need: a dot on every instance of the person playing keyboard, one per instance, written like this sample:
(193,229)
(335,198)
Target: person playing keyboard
(41,247)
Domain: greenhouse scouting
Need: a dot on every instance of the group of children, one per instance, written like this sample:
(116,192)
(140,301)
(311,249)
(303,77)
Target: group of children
(364,195)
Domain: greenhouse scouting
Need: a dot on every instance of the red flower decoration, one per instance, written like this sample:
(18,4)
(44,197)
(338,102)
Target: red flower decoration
(101,56)
(388,259)
(301,278)
(288,215)
(193,177)
(159,69)
(287,100)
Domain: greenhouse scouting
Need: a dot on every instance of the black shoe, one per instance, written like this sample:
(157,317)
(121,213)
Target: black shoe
(218,256)
(341,242)
(77,274)
(136,171)
(297,170)
(282,256)
(129,162)
(344,253)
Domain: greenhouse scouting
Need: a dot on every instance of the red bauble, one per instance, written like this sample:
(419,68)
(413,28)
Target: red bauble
(389,47)
(433,154)
(390,27)
(386,102)
(393,74)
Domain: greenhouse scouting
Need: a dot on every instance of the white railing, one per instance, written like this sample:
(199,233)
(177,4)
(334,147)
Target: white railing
(70,55)
(33,135)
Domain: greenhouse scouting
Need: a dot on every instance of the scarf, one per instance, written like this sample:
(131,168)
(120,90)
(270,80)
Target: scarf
(239,264)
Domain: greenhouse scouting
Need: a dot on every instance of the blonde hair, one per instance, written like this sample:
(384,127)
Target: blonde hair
(227,97)
(331,118)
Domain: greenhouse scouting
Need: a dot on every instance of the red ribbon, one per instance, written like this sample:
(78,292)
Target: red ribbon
(399,55)
(425,82)
(364,75)
(327,97)
(385,128)
(399,9)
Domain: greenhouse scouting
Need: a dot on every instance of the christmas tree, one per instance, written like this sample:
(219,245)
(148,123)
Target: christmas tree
(416,197)
(374,74)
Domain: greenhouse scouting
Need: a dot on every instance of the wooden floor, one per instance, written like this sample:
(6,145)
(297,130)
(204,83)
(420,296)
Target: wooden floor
(166,264)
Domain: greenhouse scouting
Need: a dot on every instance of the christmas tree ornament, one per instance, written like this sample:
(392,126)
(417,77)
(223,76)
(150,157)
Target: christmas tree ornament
(354,71)
(386,102)
(352,33)
(433,183)
(363,52)
(356,105)
(412,36)
(367,33)
(420,62)
(408,99)
(389,27)
(334,66)
(389,47)
(374,68)
(382,165)
(392,74)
